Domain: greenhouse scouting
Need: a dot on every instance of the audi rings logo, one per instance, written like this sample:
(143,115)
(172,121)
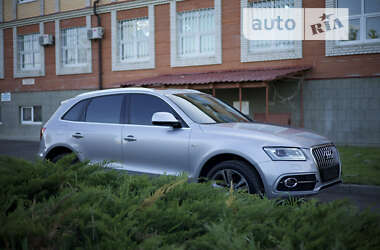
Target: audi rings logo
(328,154)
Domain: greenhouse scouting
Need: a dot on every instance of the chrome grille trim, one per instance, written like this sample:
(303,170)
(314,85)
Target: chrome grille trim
(326,157)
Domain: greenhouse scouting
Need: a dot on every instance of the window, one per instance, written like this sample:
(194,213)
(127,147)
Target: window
(196,33)
(31,115)
(1,119)
(76,113)
(133,45)
(195,37)
(266,50)
(28,52)
(134,40)
(25,1)
(142,108)
(105,109)
(271,45)
(75,46)
(73,49)
(364,20)
(364,28)
(205,109)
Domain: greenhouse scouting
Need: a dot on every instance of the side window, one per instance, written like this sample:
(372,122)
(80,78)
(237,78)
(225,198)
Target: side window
(142,108)
(76,113)
(104,109)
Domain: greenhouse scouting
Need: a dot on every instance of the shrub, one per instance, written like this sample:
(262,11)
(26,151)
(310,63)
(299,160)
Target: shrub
(63,206)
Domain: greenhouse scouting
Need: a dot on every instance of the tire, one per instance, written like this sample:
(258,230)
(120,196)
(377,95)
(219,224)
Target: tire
(56,158)
(238,171)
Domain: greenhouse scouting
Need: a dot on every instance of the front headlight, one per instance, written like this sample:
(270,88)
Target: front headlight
(285,154)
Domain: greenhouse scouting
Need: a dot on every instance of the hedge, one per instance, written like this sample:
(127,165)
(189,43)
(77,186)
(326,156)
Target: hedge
(64,206)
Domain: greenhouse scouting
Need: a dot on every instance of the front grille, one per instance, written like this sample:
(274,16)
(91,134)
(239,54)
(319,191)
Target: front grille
(326,157)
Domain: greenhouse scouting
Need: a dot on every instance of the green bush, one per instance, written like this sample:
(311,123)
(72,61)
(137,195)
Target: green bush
(62,206)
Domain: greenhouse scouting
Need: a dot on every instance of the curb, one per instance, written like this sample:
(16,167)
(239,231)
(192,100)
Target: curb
(366,190)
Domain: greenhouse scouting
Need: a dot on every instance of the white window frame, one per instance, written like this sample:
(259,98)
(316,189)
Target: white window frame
(1,53)
(143,63)
(19,72)
(70,69)
(21,53)
(362,46)
(32,122)
(135,41)
(25,1)
(215,58)
(196,35)
(295,52)
(75,49)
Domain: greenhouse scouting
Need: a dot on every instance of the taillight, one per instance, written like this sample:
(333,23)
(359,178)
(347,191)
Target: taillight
(42,131)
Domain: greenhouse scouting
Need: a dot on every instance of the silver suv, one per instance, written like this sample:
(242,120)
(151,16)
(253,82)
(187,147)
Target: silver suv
(186,131)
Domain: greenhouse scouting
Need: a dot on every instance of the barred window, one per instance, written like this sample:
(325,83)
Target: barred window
(75,46)
(196,32)
(29,52)
(270,45)
(133,37)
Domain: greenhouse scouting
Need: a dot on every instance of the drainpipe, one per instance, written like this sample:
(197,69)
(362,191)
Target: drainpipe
(100,61)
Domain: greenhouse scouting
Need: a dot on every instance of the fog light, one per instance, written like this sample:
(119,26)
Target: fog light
(290,182)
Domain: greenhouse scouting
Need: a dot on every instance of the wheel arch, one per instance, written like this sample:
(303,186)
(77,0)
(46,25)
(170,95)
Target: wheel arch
(217,158)
(58,149)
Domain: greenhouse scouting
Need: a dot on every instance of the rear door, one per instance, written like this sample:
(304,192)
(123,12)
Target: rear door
(148,148)
(97,137)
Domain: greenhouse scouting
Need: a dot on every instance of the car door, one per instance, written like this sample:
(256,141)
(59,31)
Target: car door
(98,136)
(149,148)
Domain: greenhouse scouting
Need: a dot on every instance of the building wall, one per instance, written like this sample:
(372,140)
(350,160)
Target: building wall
(29,9)
(72,5)
(345,110)
(11,127)
(49,7)
(313,53)
(328,73)
(8,10)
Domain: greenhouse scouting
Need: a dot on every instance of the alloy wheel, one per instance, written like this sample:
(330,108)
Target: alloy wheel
(225,177)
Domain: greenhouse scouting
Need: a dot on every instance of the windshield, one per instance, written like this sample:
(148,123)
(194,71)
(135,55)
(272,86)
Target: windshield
(205,109)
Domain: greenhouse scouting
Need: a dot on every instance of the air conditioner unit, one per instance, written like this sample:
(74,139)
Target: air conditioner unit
(46,39)
(95,33)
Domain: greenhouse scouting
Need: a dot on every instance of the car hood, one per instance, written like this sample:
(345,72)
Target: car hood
(267,134)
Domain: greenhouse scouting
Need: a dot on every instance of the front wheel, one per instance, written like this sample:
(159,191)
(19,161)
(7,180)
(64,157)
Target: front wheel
(238,173)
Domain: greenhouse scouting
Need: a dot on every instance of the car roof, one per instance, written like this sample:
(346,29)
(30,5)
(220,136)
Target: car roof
(135,90)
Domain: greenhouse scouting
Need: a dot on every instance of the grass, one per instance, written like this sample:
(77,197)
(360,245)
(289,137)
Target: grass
(360,165)
(62,206)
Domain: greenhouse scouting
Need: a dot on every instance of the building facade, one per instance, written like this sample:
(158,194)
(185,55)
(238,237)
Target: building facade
(47,56)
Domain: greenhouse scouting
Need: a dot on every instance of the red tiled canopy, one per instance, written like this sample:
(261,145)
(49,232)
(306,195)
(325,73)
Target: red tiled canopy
(230,76)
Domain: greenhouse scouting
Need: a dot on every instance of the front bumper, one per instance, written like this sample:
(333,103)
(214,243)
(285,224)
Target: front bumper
(275,172)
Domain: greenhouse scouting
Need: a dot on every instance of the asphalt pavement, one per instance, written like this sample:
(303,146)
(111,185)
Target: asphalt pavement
(362,196)
(26,150)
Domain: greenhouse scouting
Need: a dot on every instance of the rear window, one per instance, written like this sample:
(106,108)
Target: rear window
(104,109)
(76,113)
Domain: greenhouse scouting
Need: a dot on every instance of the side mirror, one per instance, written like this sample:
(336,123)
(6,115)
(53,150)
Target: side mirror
(165,119)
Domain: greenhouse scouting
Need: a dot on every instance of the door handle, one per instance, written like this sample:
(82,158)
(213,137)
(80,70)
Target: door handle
(77,135)
(130,138)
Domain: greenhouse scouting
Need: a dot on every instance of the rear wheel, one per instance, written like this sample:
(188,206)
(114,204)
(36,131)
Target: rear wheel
(235,172)
(56,158)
